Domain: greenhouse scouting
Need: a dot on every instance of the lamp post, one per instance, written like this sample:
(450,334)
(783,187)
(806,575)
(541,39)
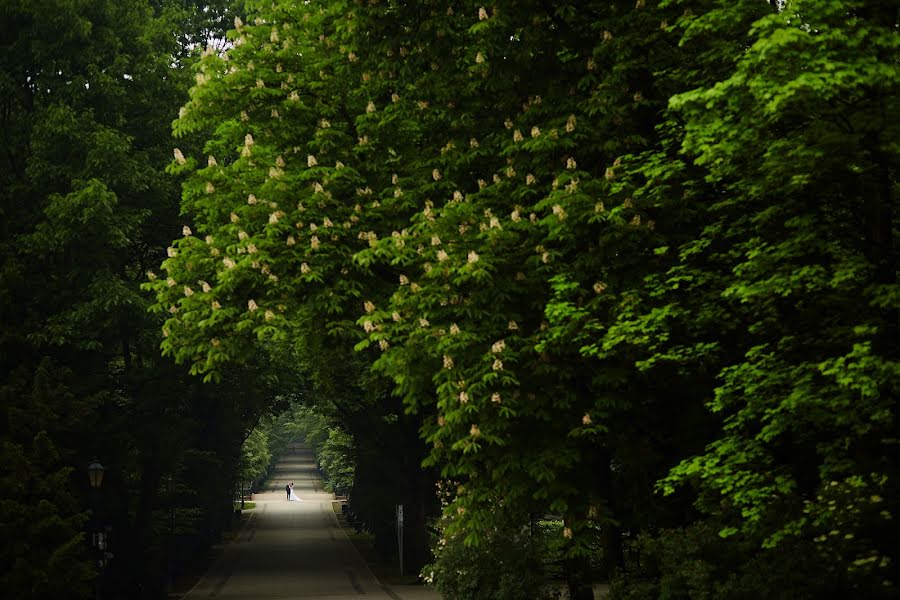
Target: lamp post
(98,535)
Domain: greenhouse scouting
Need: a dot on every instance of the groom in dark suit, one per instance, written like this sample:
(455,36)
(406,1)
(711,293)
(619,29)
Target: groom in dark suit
(287,490)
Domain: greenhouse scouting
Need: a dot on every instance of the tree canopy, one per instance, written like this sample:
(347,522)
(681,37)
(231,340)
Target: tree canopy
(621,275)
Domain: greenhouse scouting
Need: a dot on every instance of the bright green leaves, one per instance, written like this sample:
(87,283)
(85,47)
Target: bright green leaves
(791,253)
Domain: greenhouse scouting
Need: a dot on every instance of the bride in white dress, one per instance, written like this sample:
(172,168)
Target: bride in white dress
(293,497)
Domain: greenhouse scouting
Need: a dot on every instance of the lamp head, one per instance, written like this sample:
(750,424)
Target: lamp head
(95,473)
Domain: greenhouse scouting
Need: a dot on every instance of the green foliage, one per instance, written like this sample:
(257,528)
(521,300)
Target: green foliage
(333,448)
(507,564)
(43,526)
(562,234)
(89,90)
(255,455)
(801,150)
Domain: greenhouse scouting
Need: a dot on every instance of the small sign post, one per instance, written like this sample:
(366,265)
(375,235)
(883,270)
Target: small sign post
(400,535)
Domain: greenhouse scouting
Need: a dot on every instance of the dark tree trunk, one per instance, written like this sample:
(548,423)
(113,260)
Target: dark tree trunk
(419,494)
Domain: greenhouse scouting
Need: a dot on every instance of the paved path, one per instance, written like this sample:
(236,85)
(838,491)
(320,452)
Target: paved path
(289,550)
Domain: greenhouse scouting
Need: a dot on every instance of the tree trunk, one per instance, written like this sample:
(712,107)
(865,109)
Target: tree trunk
(419,491)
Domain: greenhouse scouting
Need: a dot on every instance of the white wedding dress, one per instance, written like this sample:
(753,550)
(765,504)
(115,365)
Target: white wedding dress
(293,497)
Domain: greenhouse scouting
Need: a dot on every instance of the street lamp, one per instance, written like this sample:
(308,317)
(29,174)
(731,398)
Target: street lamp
(98,538)
(95,473)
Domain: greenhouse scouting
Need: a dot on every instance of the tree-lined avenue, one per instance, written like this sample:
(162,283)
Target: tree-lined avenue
(292,549)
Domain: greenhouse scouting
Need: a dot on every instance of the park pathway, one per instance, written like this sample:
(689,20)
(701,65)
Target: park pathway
(289,550)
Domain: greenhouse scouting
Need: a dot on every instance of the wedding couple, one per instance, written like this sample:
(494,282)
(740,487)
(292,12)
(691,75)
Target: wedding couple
(289,489)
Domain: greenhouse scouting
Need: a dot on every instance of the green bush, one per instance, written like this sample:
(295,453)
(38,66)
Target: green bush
(696,563)
(508,565)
